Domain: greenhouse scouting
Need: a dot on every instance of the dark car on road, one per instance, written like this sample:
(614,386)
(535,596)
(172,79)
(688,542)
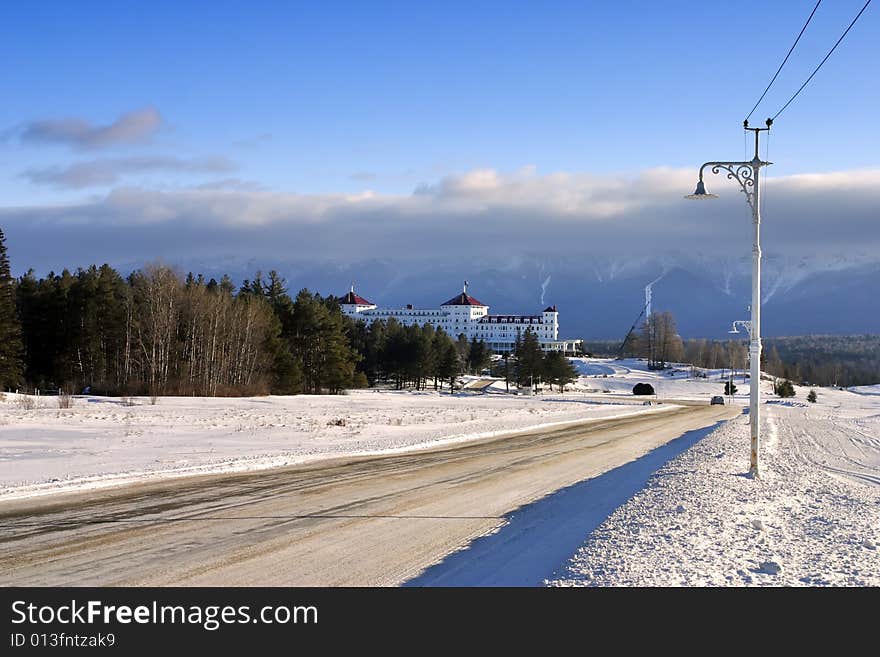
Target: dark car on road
(717,399)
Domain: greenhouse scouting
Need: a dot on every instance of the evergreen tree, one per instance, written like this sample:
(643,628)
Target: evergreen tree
(811,396)
(785,389)
(478,356)
(11,348)
(32,324)
(449,364)
(373,363)
(559,370)
(530,360)
(394,354)
(729,388)
(443,361)
(414,356)
(320,346)
(286,371)
(427,355)
(464,350)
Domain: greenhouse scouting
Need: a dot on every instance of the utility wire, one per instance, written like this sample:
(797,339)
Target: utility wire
(823,61)
(790,50)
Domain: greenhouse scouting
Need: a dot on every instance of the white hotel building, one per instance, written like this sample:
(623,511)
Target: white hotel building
(463,314)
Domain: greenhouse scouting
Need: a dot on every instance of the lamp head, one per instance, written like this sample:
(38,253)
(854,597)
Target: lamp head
(700,193)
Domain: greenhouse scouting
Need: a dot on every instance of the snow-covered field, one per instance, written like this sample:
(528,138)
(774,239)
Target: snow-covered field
(813,518)
(101,441)
(614,378)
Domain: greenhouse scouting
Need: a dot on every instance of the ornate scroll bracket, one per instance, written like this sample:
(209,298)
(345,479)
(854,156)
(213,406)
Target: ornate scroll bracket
(742,172)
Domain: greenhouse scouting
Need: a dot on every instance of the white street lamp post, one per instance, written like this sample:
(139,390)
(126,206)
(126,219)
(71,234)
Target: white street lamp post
(747,175)
(746,324)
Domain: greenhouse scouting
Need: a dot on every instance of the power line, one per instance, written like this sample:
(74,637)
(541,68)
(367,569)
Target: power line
(790,50)
(823,60)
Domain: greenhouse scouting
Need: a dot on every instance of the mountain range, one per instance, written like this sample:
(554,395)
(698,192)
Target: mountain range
(600,297)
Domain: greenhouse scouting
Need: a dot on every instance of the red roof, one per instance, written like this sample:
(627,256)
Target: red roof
(464,299)
(352,298)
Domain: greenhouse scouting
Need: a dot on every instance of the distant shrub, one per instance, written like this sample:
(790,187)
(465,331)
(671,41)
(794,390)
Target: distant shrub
(729,388)
(811,396)
(643,389)
(26,402)
(785,388)
(65,399)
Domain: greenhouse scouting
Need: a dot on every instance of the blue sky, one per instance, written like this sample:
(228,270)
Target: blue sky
(339,98)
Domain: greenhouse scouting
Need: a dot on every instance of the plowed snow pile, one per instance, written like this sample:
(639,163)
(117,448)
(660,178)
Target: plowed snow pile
(812,519)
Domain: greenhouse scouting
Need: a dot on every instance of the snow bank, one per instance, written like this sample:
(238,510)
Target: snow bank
(812,519)
(866,390)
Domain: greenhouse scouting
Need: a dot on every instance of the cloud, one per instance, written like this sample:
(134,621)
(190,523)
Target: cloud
(363,176)
(102,172)
(132,127)
(230,184)
(482,214)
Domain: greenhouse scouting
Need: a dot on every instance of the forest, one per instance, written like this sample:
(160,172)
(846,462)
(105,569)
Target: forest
(821,360)
(156,332)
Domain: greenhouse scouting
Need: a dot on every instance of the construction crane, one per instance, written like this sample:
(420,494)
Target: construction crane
(633,328)
(646,311)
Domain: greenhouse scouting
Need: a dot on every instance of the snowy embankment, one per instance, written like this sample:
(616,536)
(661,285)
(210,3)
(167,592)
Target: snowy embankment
(813,518)
(101,441)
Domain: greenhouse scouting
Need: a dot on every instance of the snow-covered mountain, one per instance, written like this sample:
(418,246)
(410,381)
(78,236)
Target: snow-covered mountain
(600,297)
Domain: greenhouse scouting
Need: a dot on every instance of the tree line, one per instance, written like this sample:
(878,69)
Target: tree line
(413,356)
(824,360)
(528,366)
(421,356)
(657,341)
(821,360)
(156,332)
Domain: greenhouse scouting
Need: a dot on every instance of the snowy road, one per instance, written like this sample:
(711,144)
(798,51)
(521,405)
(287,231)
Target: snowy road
(354,521)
